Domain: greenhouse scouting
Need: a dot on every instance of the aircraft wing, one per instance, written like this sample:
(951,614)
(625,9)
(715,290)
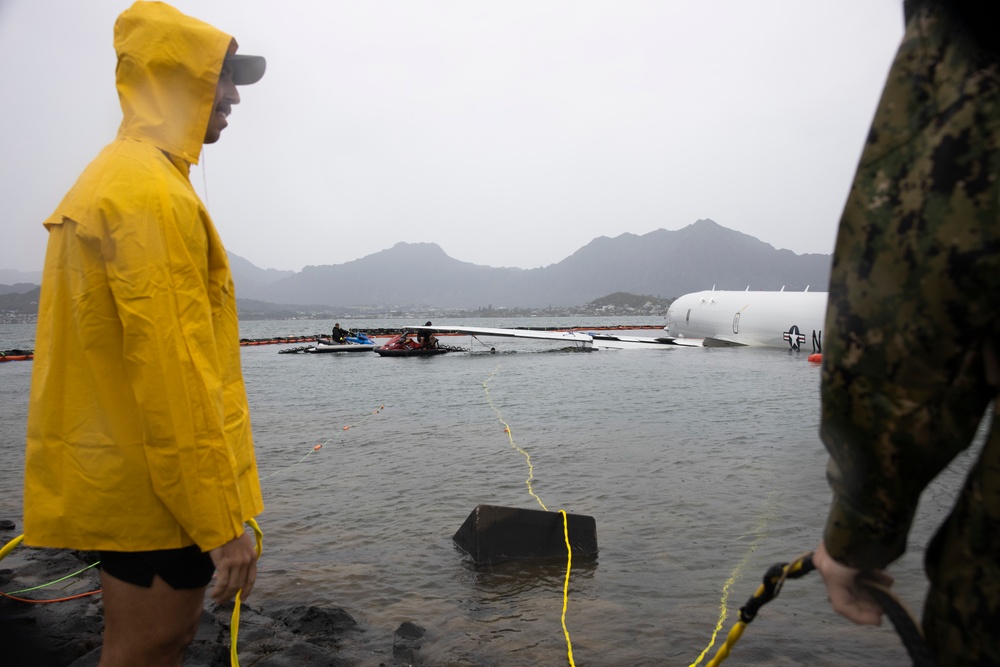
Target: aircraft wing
(616,342)
(565,336)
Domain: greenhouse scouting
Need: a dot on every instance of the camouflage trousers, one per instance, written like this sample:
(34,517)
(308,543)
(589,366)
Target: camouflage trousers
(913,333)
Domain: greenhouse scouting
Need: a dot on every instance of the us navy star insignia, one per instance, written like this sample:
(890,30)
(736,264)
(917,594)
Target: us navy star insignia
(794,337)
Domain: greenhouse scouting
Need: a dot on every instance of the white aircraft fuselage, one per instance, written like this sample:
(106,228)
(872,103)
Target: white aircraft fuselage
(789,320)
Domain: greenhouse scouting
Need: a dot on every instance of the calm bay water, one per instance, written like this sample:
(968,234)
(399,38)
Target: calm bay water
(701,467)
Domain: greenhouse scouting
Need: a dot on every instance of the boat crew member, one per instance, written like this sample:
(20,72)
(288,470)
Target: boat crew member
(339,335)
(139,444)
(910,360)
(426,339)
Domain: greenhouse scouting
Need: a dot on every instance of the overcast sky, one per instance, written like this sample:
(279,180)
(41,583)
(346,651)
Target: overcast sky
(509,132)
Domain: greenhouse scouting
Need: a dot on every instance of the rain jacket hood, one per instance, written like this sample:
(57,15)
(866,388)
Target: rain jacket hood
(138,434)
(167,73)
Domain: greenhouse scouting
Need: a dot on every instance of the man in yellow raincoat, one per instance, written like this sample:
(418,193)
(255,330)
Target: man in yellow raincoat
(139,443)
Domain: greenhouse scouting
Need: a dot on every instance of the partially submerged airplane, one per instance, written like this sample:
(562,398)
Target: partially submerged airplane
(721,318)
(583,340)
(713,318)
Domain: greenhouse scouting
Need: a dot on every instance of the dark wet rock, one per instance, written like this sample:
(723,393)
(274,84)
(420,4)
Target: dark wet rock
(88,660)
(301,653)
(310,620)
(209,629)
(6,524)
(254,628)
(54,634)
(409,631)
(207,654)
(275,635)
(406,643)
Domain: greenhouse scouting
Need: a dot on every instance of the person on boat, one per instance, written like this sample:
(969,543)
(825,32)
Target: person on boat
(406,340)
(425,339)
(139,444)
(911,361)
(339,335)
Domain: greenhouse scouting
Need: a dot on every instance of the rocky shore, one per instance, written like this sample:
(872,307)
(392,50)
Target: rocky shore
(68,634)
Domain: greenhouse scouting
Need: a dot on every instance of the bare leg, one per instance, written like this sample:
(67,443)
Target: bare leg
(148,626)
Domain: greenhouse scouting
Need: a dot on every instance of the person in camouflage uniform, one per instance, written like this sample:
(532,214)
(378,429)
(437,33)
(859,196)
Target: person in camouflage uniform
(913,333)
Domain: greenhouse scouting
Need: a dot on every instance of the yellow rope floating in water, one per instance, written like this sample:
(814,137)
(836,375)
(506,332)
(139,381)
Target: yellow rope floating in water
(510,436)
(569,563)
(737,572)
(531,476)
(768,590)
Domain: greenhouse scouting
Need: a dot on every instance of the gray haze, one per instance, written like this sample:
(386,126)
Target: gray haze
(509,133)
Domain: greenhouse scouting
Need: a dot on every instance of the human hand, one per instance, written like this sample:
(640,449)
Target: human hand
(848,596)
(235,568)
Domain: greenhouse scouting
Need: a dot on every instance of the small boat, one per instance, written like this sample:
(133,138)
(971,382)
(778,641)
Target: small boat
(16,355)
(354,343)
(358,342)
(404,346)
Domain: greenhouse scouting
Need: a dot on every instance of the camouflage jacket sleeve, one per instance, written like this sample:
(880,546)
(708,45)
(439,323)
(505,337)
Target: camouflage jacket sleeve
(864,530)
(911,298)
(887,439)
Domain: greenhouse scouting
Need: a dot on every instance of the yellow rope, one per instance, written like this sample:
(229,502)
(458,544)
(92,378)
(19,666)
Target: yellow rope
(10,546)
(569,564)
(767,591)
(510,436)
(734,634)
(733,576)
(569,548)
(234,624)
(724,605)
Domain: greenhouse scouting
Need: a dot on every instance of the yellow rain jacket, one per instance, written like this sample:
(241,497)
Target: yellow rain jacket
(138,425)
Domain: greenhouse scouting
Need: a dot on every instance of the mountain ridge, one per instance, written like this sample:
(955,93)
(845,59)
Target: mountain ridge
(661,263)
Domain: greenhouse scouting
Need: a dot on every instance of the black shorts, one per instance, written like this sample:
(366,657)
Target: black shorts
(184,568)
